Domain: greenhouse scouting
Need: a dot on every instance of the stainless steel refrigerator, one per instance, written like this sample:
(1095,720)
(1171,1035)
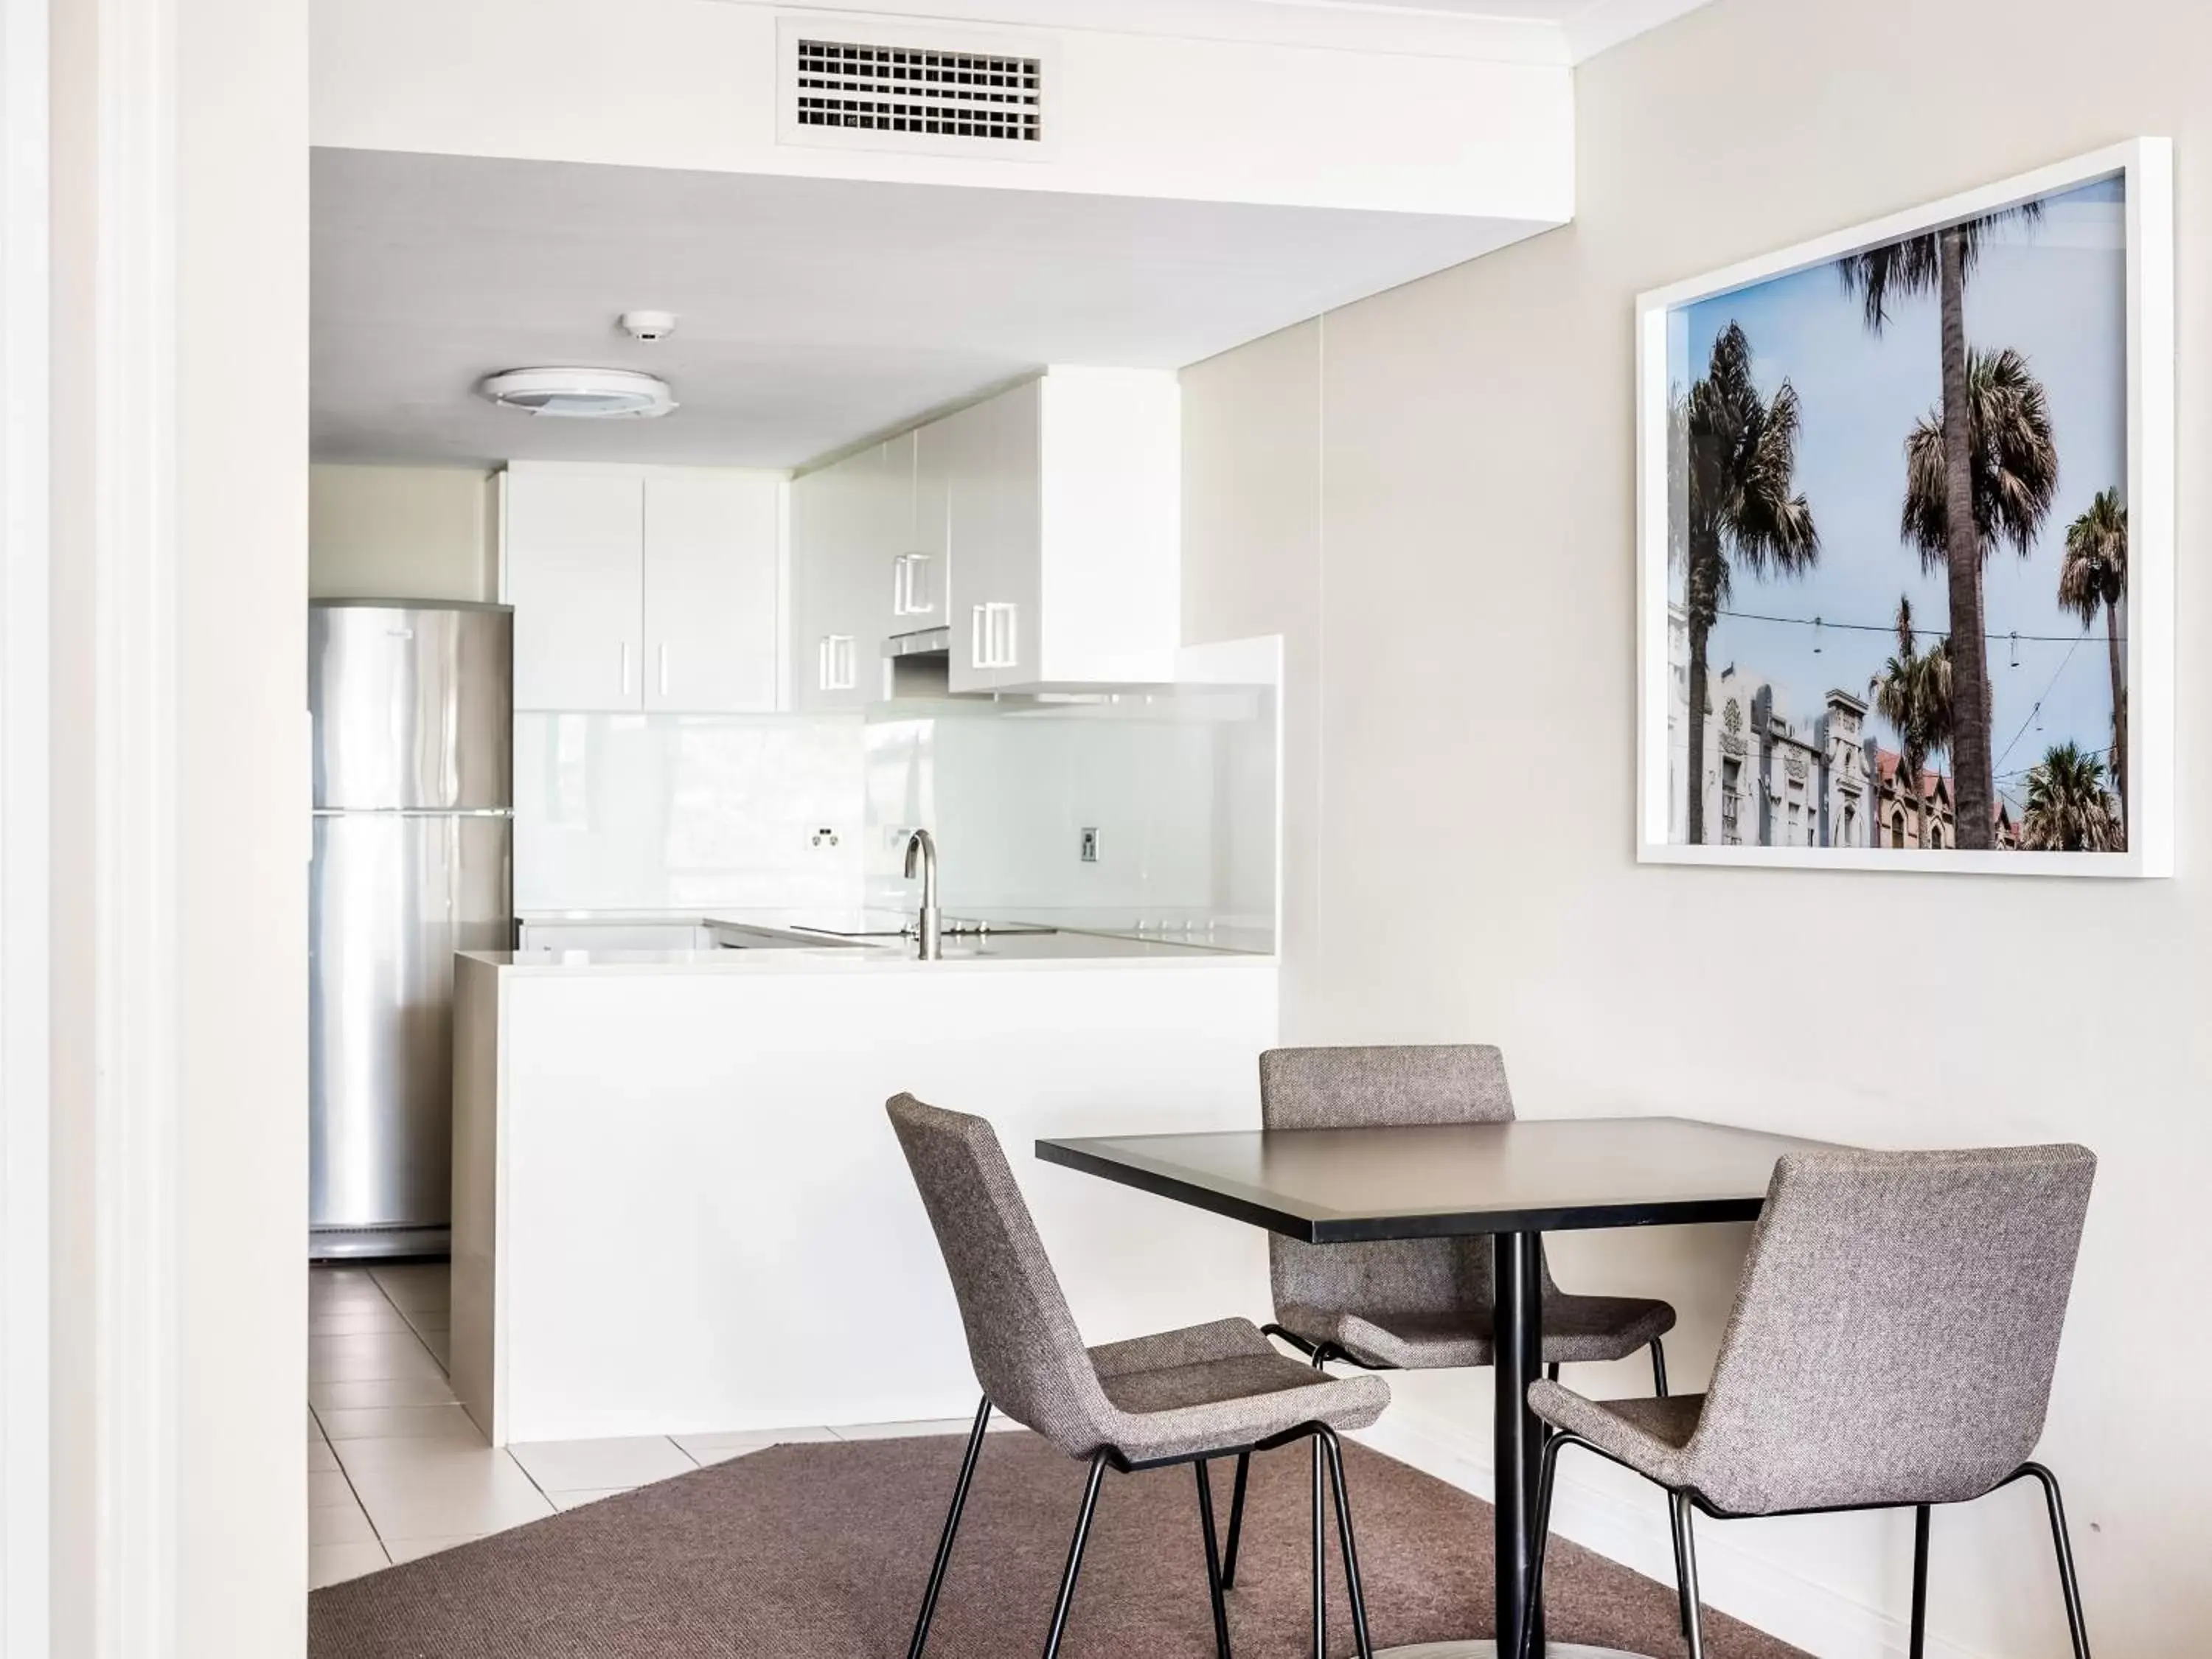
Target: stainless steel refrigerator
(413,709)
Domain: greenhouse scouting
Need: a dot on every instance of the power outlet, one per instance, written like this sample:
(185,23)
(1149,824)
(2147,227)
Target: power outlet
(1089,852)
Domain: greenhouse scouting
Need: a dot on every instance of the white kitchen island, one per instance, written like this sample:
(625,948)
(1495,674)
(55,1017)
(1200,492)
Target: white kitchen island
(678,1207)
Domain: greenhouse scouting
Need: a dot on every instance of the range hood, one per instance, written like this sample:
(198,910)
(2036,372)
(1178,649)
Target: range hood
(918,665)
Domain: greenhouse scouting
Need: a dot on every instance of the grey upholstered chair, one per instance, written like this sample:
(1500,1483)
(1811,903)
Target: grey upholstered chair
(1414,1305)
(1892,1347)
(1179,1397)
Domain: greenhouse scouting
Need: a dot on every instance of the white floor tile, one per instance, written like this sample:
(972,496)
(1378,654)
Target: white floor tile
(339,1524)
(361,1320)
(446,1498)
(417,1285)
(382,1391)
(414,1549)
(399,1423)
(441,1344)
(898,1431)
(363,1456)
(426,1319)
(320,1458)
(370,1357)
(328,1486)
(576,1500)
(594,1465)
(719,1447)
(333,1564)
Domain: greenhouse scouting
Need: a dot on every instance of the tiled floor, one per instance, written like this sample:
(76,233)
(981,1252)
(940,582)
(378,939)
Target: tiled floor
(396,1470)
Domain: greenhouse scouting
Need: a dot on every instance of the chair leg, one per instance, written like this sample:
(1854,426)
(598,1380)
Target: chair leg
(951,1526)
(1349,1545)
(1320,1560)
(1236,1521)
(1212,1561)
(1551,1371)
(1547,1472)
(1659,1388)
(1917,1639)
(1686,1549)
(2075,1626)
(1075,1556)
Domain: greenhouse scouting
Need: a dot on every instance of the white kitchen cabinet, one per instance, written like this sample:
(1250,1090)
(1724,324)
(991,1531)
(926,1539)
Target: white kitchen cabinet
(576,575)
(852,528)
(711,558)
(1065,531)
(644,588)
(994,521)
(827,623)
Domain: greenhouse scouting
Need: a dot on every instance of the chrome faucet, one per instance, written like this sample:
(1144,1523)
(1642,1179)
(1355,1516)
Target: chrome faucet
(929,927)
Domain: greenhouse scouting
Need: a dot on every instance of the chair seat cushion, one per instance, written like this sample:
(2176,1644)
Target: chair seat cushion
(1650,1435)
(1576,1329)
(1219,1387)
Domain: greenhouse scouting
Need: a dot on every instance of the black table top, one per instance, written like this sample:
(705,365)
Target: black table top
(1337,1186)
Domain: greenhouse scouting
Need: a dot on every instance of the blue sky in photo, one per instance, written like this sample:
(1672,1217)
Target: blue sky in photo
(2056,291)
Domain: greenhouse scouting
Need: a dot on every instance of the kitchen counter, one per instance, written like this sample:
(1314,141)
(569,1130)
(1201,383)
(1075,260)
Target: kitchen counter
(670,1163)
(1186,929)
(1028,950)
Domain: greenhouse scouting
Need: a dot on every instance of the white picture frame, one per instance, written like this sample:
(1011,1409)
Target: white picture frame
(2146,167)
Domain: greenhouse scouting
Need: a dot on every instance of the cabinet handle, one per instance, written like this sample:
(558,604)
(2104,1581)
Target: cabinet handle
(910,586)
(979,653)
(664,671)
(1010,638)
(839,663)
(625,668)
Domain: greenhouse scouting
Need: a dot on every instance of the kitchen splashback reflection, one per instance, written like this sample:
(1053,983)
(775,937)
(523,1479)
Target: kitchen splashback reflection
(674,812)
(1179,788)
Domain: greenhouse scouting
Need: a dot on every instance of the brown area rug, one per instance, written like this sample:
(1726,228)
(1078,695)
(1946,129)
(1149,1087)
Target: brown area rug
(820,1552)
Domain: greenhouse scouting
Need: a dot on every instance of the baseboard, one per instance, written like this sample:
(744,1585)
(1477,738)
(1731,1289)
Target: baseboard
(1818,1618)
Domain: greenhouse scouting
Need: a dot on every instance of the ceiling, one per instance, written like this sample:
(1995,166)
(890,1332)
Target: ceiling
(1588,26)
(814,313)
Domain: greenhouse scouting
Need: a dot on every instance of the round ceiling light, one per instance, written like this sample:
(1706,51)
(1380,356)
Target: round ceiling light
(587,394)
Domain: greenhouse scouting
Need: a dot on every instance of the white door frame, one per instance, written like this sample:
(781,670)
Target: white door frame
(107,1583)
(24,1113)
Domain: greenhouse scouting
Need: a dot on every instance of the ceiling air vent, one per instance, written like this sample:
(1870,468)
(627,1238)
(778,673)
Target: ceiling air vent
(894,92)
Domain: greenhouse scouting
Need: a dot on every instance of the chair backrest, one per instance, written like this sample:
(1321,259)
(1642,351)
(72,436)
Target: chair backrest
(1374,1087)
(1895,1329)
(1028,1353)
(1377,1088)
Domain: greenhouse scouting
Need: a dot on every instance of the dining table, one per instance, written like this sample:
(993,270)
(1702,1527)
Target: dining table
(1511,1181)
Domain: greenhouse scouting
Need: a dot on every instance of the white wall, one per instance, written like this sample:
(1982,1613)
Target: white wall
(1432,493)
(179,819)
(403,532)
(692,83)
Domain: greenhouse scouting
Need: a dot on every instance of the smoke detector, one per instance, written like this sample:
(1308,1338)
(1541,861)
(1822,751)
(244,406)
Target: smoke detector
(588,394)
(646,326)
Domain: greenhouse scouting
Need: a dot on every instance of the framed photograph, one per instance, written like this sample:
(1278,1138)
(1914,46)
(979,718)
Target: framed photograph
(1905,540)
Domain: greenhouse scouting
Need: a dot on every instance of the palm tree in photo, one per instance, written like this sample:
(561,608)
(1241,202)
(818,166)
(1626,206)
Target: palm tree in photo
(2093,577)
(1739,464)
(1913,694)
(2012,470)
(2067,808)
(1939,261)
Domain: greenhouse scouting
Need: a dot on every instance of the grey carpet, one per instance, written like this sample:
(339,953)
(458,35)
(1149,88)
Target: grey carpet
(820,1552)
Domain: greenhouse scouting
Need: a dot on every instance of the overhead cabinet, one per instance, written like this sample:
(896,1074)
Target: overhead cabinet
(1041,528)
(644,588)
(858,573)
